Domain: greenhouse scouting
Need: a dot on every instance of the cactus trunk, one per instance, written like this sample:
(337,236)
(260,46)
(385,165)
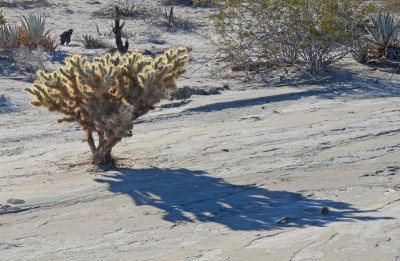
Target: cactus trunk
(102,152)
(101,159)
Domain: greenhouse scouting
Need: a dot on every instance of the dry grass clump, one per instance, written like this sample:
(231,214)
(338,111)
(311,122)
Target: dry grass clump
(91,42)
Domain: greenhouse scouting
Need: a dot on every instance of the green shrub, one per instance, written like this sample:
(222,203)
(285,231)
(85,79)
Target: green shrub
(315,33)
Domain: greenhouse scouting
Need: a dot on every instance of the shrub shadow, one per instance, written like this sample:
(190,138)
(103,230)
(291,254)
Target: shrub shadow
(187,196)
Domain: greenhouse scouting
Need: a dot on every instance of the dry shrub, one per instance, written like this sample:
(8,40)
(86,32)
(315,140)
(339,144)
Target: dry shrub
(188,2)
(313,33)
(392,5)
(46,41)
(91,42)
(31,60)
(26,4)
(127,8)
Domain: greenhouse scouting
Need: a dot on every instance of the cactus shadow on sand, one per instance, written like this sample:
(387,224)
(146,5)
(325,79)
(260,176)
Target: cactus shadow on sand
(194,196)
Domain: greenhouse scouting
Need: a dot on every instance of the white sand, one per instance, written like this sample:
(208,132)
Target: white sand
(209,179)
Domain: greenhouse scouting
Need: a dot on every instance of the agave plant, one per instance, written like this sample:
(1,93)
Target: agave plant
(32,33)
(34,26)
(383,31)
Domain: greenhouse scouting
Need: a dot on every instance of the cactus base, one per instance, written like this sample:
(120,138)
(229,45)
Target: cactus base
(103,160)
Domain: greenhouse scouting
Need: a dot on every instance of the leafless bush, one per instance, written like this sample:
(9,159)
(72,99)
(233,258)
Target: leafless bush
(128,9)
(255,34)
(31,60)
(188,2)
(26,4)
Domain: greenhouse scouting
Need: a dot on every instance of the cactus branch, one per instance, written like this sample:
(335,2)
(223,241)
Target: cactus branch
(117,30)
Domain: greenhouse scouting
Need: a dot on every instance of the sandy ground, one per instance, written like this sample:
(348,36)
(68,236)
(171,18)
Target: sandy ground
(210,177)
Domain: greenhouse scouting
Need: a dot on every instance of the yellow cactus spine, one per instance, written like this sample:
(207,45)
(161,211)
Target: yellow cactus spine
(107,94)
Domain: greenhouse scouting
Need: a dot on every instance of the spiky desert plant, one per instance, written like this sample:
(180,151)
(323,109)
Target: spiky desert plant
(8,37)
(383,31)
(33,33)
(107,94)
(92,42)
(3,19)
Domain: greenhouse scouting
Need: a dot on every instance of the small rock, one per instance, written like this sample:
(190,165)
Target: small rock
(15,201)
(225,150)
(283,220)
(325,211)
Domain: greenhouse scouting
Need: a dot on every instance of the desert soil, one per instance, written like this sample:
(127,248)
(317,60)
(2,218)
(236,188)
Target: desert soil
(239,175)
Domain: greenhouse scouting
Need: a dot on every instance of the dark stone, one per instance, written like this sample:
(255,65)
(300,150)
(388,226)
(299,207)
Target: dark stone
(325,211)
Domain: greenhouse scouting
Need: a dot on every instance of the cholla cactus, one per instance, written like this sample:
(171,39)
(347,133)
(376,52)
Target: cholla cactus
(3,19)
(106,95)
